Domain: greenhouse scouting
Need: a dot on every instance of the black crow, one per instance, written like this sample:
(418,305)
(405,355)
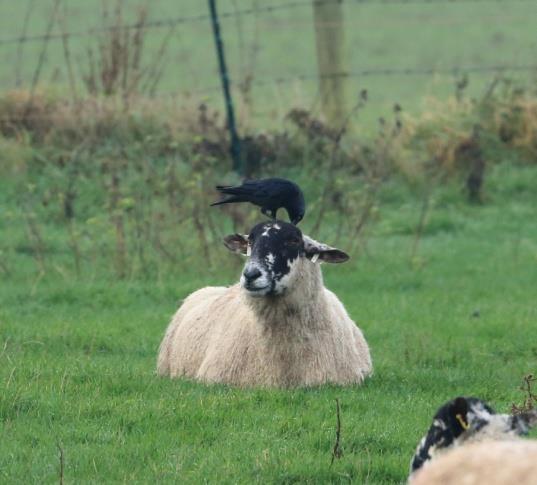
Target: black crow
(270,194)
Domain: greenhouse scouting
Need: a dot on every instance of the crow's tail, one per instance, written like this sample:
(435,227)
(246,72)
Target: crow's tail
(237,190)
(228,200)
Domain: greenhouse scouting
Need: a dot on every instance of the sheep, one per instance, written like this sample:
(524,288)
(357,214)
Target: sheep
(278,327)
(470,444)
(484,463)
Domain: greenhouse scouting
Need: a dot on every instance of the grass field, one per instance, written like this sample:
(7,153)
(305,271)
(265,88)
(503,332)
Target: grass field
(280,44)
(77,358)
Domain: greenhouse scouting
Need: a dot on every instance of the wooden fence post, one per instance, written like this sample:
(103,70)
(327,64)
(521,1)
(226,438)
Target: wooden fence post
(329,36)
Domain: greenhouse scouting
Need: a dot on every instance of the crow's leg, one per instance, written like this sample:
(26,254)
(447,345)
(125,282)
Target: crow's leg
(269,212)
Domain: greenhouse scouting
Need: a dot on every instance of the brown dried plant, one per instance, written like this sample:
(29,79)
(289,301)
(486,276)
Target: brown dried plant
(530,397)
(117,65)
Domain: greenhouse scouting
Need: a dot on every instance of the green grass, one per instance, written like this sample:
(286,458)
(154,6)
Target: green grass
(281,44)
(77,358)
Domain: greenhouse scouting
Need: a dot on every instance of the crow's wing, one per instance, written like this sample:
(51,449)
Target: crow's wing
(272,193)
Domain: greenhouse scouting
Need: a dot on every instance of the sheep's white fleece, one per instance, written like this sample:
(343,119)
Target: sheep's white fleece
(302,338)
(510,462)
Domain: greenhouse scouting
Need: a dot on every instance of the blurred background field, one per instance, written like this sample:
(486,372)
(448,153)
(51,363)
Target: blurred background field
(400,51)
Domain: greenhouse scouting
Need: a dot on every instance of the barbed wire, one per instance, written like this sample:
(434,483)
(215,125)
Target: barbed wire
(370,72)
(427,71)
(163,23)
(456,70)
(382,72)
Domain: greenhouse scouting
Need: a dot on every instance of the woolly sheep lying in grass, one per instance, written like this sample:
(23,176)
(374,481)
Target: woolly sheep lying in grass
(279,327)
(470,444)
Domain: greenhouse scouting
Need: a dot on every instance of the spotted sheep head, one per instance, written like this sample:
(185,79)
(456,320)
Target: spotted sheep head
(466,419)
(274,250)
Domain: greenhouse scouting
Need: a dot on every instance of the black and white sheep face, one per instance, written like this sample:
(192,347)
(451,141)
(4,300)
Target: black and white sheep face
(464,419)
(274,249)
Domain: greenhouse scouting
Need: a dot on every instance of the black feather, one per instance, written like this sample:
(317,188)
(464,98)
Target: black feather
(270,194)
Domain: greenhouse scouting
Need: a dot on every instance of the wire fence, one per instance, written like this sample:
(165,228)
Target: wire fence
(387,72)
(165,23)
(261,60)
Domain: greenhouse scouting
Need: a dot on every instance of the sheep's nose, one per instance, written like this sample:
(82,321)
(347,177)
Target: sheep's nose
(250,274)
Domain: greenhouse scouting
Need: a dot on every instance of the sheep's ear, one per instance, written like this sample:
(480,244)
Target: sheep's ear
(317,251)
(460,405)
(459,410)
(238,243)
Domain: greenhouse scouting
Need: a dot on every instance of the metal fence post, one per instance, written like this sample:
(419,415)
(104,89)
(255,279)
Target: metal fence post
(235,140)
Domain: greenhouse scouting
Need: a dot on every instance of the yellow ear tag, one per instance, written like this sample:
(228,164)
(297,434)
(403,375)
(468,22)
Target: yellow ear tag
(315,257)
(248,250)
(463,423)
